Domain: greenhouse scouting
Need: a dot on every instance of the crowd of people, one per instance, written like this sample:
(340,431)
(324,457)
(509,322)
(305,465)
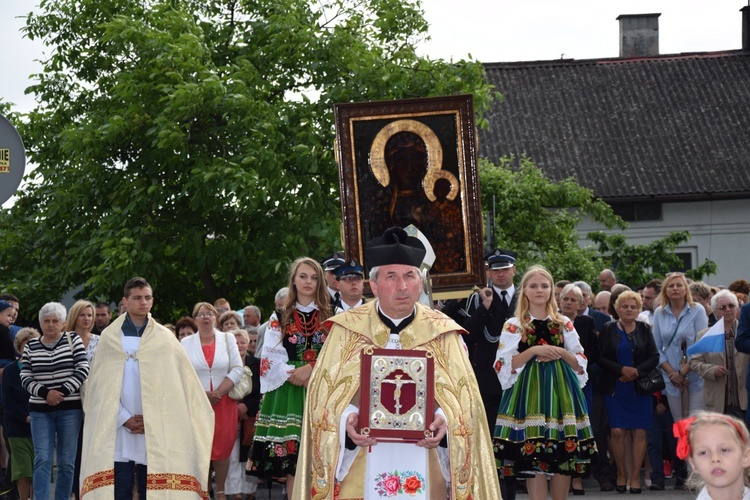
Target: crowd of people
(544,380)
(640,372)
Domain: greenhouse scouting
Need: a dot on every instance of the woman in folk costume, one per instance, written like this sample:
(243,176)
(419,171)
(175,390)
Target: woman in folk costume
(290,349)
(543,425)
(337,461)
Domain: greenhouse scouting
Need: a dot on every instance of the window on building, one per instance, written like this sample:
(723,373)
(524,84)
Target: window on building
(640,211)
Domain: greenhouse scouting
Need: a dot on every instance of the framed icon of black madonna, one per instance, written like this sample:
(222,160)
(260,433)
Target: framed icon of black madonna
(413,162)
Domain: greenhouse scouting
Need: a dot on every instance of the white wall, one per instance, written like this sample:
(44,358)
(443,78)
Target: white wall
(720,231)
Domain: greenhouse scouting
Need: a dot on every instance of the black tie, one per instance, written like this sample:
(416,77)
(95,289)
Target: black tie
(504,296)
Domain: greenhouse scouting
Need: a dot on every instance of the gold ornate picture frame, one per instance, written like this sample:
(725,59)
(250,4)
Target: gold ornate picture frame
(414,162)
(397,396)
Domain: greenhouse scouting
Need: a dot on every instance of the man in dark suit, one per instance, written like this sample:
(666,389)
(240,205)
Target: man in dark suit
(490,308)
(742,343)
(602,470)
(600,318)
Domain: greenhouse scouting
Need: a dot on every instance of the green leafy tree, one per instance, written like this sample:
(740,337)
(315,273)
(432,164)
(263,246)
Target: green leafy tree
(537,217)
(638,264)
(192,142)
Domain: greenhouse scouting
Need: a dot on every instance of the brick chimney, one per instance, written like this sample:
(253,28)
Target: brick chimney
(745,27)
(639,35)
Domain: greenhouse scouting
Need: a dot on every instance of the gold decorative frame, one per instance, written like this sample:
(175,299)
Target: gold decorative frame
(413,161)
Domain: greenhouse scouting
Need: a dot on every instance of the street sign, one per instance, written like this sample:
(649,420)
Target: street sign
(12,159)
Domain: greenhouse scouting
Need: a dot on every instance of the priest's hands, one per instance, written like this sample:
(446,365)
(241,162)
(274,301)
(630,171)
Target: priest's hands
(352,422)
(438,428)
(135,424)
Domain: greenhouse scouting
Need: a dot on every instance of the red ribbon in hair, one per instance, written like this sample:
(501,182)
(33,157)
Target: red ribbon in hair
(681,430)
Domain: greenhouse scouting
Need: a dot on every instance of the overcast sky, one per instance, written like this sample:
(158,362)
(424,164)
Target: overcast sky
(489,30)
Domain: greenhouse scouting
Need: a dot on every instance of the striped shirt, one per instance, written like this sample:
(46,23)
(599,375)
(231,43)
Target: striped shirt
(62,367)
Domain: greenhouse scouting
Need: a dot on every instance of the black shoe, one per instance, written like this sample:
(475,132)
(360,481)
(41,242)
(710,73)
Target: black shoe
(680,486)
(578,492)
(621,488)
(657,486)
(635,491)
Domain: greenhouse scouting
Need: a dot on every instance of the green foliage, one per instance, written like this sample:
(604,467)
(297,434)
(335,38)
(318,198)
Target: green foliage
(638,264)
(537,217)
(191,142)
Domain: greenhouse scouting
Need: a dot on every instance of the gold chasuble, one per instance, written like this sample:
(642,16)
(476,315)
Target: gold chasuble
(177,417)
(335,383)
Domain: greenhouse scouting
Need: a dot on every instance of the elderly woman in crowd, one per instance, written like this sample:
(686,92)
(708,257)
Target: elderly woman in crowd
(230,321)
(239,483)
(723,372)
(216,359)
(185,327)
(53,368)
(17,421)
(571,300)
(627,351)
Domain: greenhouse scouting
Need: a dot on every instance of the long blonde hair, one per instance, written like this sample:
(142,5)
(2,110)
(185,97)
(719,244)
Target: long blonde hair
(76,311)
(522,308)
(320,297)
(663,300)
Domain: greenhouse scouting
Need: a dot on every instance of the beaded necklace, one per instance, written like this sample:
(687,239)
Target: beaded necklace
(304,327)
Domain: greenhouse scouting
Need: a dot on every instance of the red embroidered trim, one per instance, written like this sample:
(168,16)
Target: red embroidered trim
(160,481)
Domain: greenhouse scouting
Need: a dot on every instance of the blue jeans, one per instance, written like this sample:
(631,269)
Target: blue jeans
(64,426)
(124,479)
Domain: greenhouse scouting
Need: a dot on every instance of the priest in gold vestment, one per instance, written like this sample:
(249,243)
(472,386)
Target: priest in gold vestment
(336,461)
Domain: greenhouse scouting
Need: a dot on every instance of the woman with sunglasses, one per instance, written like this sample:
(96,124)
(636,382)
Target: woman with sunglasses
(723,373)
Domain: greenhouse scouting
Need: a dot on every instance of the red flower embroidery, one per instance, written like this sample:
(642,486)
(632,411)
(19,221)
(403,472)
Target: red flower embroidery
(309,355)
(543,466)
(279,450)
(512,328)
(291,447)
(274,324)
(498,365)
(568,325)
(265,365)
(292,339)
(529,448)
(542,342)
(392,484)
(570,445)
(411,485)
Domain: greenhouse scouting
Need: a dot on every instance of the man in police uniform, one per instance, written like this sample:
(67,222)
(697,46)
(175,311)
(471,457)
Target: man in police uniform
(329,265)
(351,279)
(490,308)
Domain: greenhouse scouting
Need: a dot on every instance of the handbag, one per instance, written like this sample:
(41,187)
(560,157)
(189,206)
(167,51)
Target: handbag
(650,383)
(244,386)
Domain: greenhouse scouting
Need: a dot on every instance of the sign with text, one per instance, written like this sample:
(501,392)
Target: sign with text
(12,159)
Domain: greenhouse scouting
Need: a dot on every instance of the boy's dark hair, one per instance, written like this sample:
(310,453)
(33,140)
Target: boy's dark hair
(136,282)
(99,305)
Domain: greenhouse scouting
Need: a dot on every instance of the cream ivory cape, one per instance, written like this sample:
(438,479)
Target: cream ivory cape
(335,383)
(177,416)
